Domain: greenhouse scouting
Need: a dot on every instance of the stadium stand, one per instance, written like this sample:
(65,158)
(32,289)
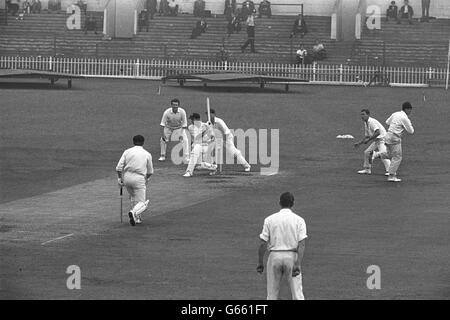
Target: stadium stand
(168,37)
(47,34)
(420,44)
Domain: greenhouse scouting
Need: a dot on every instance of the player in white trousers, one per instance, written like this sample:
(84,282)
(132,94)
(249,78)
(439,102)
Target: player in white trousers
(374,133)
(201,134)
(283,235)
(220,125)
(398,123)
(134,170)
(173,125)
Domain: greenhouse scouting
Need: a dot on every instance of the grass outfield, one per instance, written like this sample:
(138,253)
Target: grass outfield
(59,200)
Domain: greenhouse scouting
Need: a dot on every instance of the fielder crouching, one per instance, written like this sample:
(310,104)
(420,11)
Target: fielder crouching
(134,170)
(201,134)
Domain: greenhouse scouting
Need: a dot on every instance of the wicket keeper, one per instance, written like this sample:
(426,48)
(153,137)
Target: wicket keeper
(174,122)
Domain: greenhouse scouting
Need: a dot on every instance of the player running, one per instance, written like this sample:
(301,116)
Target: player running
(201,135)
(220,125)
(374,133)
(174,122)
(134,170)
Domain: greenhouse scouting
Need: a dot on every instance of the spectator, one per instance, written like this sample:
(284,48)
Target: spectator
(425,10)
(250,33)
(234,25)
(200,27)
(392,11)
(143,20)
(151,8)
(247,9)
(265,9)
(173,8)
(164,8)
(199,8)
(54,5)
(406,12)
(301,54)
(90,24)
(318,51)
(26,7)
(299,26)
(13,6)
(228,10)
(36,6)
(223,54)
(82,5)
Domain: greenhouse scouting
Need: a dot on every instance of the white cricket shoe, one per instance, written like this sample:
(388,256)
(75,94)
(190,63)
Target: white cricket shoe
(247,169)
(162,158)
(365,171)
(187,174)
(138,219)
(394,179)
(386,174)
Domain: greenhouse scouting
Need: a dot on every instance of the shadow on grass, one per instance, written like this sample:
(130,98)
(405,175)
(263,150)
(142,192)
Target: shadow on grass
(34,85)
(244,88)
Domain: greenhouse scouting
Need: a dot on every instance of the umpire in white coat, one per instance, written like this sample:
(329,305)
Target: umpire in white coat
(283,235)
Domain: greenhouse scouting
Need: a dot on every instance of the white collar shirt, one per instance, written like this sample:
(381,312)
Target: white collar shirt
(398,122)
(371,126)
(174,120)
(283,231)
(136,160)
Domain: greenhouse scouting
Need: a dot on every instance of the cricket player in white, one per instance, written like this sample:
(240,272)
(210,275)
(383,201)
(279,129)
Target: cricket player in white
(220,125)
(201,134)
(398,123)
(134,170)
(284,235)
(374,132)
(174,123)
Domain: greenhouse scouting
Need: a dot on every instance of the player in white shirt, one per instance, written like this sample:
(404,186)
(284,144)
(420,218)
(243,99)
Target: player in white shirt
(283,235)
(398,123)
(202,135)
(134,170)
(220,125)
(173,126)
(374,133)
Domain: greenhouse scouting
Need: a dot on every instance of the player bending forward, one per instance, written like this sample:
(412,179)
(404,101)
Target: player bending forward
(201,135)
(134,170)
(174,122)
(374,132)
(220,125)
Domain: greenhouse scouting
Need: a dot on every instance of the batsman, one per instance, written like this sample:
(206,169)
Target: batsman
(219,125)
(134,170)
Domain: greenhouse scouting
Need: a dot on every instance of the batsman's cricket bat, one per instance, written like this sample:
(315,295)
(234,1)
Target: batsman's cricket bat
(121,204)
(208,109)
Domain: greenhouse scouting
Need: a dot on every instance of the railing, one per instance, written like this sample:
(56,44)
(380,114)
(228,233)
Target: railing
(158,68)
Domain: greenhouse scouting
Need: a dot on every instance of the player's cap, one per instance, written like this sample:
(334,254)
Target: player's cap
(194,116)
(211,111)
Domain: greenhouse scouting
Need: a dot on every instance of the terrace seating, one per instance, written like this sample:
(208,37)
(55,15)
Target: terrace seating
(168,37)
(47,34)
(420,44)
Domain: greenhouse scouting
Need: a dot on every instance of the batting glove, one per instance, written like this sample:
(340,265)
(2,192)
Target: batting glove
(120,182)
